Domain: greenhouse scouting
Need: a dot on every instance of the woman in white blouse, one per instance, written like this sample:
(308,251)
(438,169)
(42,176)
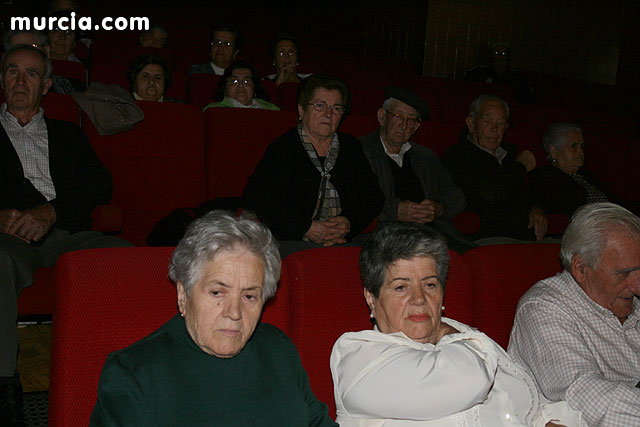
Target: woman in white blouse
(416,368)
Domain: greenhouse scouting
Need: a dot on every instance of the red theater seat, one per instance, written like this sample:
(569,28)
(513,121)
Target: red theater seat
(106,299)
(200,89)
(157,166)
(236,140)
(75,70)
(501,274)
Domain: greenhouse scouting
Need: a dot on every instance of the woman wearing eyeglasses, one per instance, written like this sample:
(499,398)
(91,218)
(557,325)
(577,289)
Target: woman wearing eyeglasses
(313,186)
(285,51)
(240,87)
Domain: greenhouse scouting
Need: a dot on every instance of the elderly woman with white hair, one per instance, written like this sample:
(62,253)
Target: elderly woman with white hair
(214,363)
(563,186)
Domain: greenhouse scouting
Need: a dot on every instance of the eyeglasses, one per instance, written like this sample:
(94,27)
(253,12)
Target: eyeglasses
(240,82)
(321,107)
(397,119)
(288,53)
(501,53)
(222,43)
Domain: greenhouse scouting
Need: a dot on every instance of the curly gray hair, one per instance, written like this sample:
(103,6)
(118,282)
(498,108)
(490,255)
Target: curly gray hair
(220,231)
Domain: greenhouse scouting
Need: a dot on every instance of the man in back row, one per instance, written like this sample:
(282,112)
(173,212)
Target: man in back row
(493,176)
(225,42)
(50,182)
(416,186)
(579,332)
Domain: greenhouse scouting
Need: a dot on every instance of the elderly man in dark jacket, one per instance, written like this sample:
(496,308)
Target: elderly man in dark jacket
(416,186)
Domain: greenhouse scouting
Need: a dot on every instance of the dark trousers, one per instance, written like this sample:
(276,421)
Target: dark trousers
(18,262)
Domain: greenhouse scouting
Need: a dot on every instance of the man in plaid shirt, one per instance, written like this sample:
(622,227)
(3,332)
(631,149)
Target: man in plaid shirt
(579,332)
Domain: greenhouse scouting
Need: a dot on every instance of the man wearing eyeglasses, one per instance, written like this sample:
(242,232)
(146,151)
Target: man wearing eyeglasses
(416,186)
(225,44)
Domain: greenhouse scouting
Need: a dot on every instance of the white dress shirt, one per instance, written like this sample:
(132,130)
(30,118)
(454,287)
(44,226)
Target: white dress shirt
(465,379)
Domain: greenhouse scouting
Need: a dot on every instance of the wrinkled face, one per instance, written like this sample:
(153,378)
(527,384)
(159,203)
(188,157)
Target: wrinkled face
(61,44)
(410,300)
(150,83)
(239,86)
(570,157)
(153,38)
(224,306)
(23,81)
(613,284)
(489,125)
(223,48)
(398,125)
(321,124)
(286,54)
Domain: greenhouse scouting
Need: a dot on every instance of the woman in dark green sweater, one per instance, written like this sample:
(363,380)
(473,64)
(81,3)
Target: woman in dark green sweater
(214,364)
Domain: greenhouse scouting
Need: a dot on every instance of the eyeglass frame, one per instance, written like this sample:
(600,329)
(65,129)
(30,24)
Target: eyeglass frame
(394,116)
(221,43)
(322,107)
(247,81)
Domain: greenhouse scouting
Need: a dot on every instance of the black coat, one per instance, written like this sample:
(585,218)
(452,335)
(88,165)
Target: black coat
(283,189)
(80,179)
(497,193)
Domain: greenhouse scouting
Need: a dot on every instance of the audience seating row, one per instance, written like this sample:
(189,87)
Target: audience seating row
(107,299)
(178,157)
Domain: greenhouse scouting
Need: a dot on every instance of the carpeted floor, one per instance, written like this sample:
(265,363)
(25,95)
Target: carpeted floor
(36,406)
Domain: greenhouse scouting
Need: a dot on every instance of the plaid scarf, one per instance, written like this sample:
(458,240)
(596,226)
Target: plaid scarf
(593,194)
(328,204)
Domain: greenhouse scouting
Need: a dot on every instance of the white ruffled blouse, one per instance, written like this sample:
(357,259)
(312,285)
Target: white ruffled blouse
(466,379)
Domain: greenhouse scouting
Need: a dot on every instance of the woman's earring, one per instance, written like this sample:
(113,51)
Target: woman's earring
(554,162)
(443,308)
(371,315)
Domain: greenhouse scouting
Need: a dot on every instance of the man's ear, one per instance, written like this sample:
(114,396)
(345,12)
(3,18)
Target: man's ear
(578,268)
(471,125)
(381,116)
(46,85)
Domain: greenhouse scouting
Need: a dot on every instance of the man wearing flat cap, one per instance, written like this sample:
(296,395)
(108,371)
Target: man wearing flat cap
(416,186)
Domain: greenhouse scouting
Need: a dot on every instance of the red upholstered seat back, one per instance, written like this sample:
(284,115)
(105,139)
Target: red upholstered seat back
(236,140)
(157,166)
(458,297)
(75,70)
(200,89)
(501,274)
(106,299)
(326,301)
(61,107)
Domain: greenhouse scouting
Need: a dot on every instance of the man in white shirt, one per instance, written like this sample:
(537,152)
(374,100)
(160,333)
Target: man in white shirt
(50,182)
(579,332)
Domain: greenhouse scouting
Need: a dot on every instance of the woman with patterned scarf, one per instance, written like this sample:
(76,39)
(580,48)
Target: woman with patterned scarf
(313,186)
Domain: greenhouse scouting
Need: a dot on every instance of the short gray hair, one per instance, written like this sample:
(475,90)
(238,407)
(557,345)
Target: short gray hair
(220,231)
(590,227)
(42,38)
(388,103)
(28,48)
(556,135)
(477,104)
(401,240)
